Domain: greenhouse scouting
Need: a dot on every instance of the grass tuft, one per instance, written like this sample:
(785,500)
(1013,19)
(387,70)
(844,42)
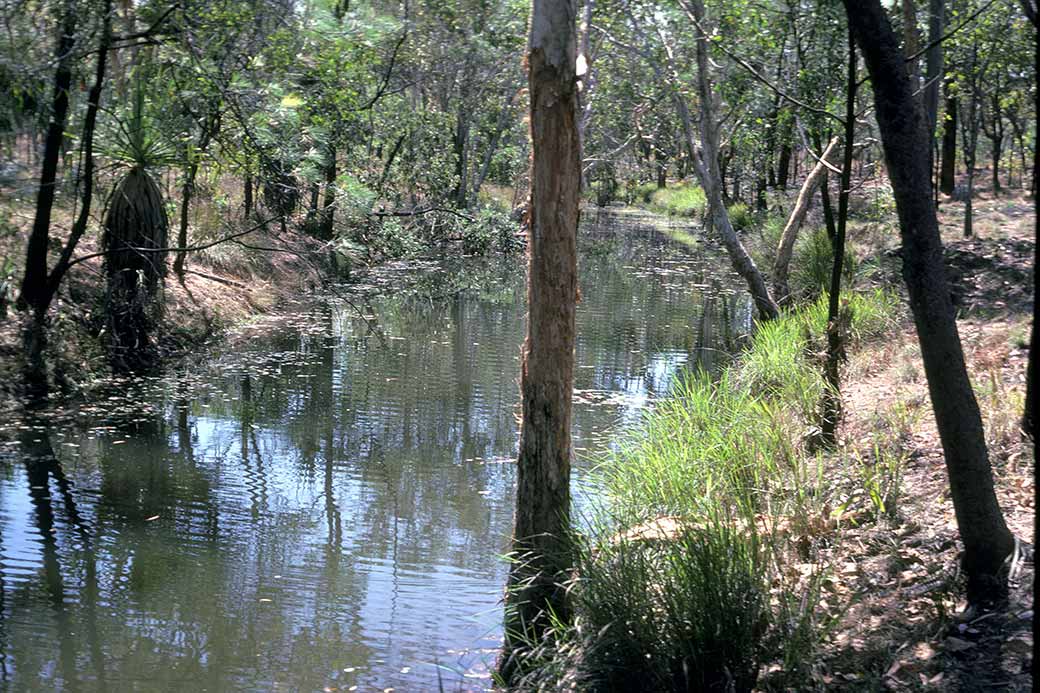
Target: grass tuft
(685,200)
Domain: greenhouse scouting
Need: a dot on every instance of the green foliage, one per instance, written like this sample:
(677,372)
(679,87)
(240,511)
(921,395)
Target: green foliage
(136,136)
(686,613)
(741,216)
(686,200)
(813,261)
(492,229)
(705,500)
(639,193)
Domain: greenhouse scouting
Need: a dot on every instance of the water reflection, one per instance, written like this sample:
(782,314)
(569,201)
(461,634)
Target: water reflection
(326,506)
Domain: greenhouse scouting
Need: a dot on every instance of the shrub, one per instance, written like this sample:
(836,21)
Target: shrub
(740,216)
(812,263)
(686,200)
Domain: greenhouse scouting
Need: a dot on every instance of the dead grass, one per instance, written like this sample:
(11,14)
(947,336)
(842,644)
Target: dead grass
(904,627)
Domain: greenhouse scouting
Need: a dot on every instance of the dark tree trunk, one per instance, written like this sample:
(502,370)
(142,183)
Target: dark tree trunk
(312,205)
(247,195)
(783,164)
(825,196)
(947,176)
(662,175)
(997,151)
(830,415)
(329,212)
(542,550)
(34,294)
(987,541)
(461,141)
(182,230)
(39,287)
(828,210)
(969,142)
(1029,412)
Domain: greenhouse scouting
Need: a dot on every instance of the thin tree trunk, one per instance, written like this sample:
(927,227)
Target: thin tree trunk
(182,231)
(390,162)
(33,293)
(329,212)
(783,164)
(781,289)
(500,126)
(1029,411)
(969,140)
(933,67)
(210,125)
(79,227)
(830,414)
(542,551)
(987,541)
(948,174)
(706,164)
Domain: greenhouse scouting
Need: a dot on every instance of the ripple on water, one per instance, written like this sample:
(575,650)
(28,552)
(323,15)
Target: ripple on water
(326,505)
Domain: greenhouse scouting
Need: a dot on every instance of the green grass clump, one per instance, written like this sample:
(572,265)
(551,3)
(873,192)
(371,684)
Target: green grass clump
(685,200)
(741,216)
(812,262)
(685,614)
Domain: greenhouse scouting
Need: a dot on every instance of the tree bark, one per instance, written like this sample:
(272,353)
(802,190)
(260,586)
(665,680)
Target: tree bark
(830,414)
(541,544)
(933,66)
(948,173)
(329,212)
(987,541)
(706,164)
(33,293)
(781,289)
(1029,411)
(783,164)
(247,195)
(969,142)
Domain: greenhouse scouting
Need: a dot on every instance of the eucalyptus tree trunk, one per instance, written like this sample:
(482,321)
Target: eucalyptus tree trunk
(781,287)
(933,68)
(830,405)
(987,541)
(541,545)
(706,164)
(948,169)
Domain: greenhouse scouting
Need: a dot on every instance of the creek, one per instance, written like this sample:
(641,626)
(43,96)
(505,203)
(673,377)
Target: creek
(327,503)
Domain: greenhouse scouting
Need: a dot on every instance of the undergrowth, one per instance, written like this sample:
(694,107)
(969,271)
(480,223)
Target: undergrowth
(684,200)
(701,568)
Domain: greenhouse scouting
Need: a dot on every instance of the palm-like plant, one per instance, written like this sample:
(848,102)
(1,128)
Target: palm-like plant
(134,239)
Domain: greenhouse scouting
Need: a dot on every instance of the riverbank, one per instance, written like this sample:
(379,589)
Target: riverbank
(814,569)
(224,286)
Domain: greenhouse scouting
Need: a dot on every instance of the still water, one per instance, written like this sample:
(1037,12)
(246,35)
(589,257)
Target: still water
(325,505)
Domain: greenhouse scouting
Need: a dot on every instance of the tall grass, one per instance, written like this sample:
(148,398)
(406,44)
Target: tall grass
(812,262)
(684,200)
(684,579)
